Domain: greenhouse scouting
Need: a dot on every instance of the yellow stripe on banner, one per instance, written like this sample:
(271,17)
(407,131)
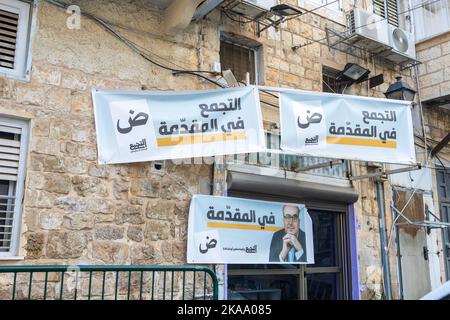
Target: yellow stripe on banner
(241,226)
(362,142)
(200,138)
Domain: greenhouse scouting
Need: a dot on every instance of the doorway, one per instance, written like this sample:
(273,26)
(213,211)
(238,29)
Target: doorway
(326,279)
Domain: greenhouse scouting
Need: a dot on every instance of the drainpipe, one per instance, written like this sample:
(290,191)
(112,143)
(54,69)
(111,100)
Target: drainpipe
(399,259)
(383,239)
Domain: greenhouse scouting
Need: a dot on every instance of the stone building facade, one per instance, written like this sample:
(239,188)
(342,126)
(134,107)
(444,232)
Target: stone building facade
(76,211)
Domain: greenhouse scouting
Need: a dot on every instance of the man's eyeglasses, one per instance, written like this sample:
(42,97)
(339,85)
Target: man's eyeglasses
(291,218)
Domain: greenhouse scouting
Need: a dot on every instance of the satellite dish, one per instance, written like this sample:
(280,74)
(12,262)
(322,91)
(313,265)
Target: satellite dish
(400,40)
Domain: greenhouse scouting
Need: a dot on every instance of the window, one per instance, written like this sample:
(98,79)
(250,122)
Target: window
(329,82)
(13,145)
(241,57)
(431,13)
(387,9)
(14,38)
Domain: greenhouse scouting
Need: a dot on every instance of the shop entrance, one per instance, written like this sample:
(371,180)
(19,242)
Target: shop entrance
(326,279)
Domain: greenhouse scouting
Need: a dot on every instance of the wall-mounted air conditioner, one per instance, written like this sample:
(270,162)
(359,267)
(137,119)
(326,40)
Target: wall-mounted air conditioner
(367,30)
(253,8)
(403,45)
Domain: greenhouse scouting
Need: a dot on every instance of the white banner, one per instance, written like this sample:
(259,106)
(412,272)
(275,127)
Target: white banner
(144,126)
(347,127)
(235,230)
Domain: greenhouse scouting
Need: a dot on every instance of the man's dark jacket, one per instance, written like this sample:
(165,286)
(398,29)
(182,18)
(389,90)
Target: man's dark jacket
(277,244)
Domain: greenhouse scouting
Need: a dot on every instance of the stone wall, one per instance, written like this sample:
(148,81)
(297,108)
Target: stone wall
(76,211)
(434,71)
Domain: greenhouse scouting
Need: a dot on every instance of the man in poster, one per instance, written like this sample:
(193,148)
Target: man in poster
(288,244)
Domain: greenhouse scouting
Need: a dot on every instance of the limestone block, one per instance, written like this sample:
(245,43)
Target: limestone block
(57,183)
(157,230)
(108,232)
(50,220)
(79,221)
(110,252)
(128,213)
(34,246)
(135,233)
(66,245)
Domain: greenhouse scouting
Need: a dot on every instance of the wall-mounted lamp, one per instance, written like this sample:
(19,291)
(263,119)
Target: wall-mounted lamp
(353,73)
(285,10)
(400,91)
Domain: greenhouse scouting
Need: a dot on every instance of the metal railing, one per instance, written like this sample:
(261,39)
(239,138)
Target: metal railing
(107,283)
(279,160)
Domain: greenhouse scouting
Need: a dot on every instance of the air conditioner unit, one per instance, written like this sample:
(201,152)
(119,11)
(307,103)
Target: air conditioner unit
(367,30)
(403,45)
(253,8)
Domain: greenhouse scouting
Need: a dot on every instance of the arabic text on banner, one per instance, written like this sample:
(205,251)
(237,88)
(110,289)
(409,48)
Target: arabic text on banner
(145,126)
(234,230)
(344,127)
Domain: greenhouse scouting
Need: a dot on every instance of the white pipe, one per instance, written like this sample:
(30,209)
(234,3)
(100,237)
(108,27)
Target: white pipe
(178,15)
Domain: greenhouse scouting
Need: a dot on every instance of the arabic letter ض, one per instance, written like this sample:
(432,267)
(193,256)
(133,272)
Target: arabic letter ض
(211,244)
(124,130)
(315,118)
(139,122)
(302,125)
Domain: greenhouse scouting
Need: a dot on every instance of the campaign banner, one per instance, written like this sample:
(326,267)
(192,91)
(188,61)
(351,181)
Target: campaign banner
(235,230)
(145,126)
(346,127)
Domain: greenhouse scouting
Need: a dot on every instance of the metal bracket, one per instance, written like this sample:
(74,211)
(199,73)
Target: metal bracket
(320,165)
(385,173)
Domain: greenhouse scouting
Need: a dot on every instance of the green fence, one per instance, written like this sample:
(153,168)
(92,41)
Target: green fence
(107,283)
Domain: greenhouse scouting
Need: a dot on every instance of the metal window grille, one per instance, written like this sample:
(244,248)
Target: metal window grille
(13,136)
(239,60)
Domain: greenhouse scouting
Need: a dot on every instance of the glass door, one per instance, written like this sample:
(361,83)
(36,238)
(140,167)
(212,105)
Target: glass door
(326,279)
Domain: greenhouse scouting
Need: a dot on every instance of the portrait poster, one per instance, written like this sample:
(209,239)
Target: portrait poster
(235,230)
(346,127)
(159,125)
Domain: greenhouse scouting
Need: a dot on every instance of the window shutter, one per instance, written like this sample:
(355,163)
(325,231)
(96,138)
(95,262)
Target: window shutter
(392,11)
(387,9)
(9,152)
(379,8)
(8,35)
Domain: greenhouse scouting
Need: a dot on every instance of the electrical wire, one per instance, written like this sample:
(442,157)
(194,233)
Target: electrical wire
(135,48)
(312,41)
(235,20)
